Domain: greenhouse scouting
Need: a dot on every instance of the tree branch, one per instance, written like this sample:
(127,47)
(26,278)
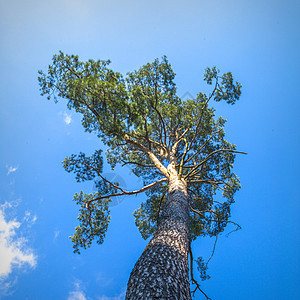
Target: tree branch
(201,213)
(143,189)
(182,159)
(174,147)
(214,248)
(201,115)
(194,281)
(192,172)
(160,203)
(138,164)
(200,149)
(146,131)
(155,160)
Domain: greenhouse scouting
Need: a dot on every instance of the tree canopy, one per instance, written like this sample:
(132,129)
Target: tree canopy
(144,124)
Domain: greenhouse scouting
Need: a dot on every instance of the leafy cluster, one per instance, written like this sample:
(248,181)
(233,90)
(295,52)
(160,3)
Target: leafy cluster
(94,217)
(90,88)
(148,214)
(85,168)
(94,214)
(202,268)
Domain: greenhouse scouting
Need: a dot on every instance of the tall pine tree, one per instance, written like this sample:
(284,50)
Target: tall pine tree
(176,146)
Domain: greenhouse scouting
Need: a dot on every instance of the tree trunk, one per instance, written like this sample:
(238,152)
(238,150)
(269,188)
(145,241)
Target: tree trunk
(162,271)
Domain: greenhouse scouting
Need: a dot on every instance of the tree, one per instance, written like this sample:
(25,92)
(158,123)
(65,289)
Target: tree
(176,146)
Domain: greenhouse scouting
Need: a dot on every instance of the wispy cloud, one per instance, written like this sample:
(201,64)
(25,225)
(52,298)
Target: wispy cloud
(11,169)
(56,234)
(78,292)
(31,219)
(14,251)
(77,295)
(103,280)
(67,118)
(121,296)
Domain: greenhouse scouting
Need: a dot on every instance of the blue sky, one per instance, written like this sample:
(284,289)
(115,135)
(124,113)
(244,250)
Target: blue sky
(257,40)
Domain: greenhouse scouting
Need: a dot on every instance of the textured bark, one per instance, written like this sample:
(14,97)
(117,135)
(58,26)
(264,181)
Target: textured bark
(162,270)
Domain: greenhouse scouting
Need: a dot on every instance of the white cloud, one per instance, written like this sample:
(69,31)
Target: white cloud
(56,234)
(78,293)
(7,205)
(6,287)
(13,251)
(33,220)
(119,297)
(102,280)
(11,169)
(29,218)
(67,118)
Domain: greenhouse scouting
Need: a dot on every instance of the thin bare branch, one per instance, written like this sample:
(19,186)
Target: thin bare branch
(194,281)
(162,123)
(143,189)
(159,145)
(137,164)
(182,159)
(194,172)
(214,248)
(200,149)
(201,115)
(103,178)
(201,213)
(179,139)
(160,204)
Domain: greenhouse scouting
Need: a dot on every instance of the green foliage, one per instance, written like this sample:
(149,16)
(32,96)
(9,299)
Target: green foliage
(91,88)
(85,168)
(140,114)
(202,268)
(148,214)
(94,217)
(226,90)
